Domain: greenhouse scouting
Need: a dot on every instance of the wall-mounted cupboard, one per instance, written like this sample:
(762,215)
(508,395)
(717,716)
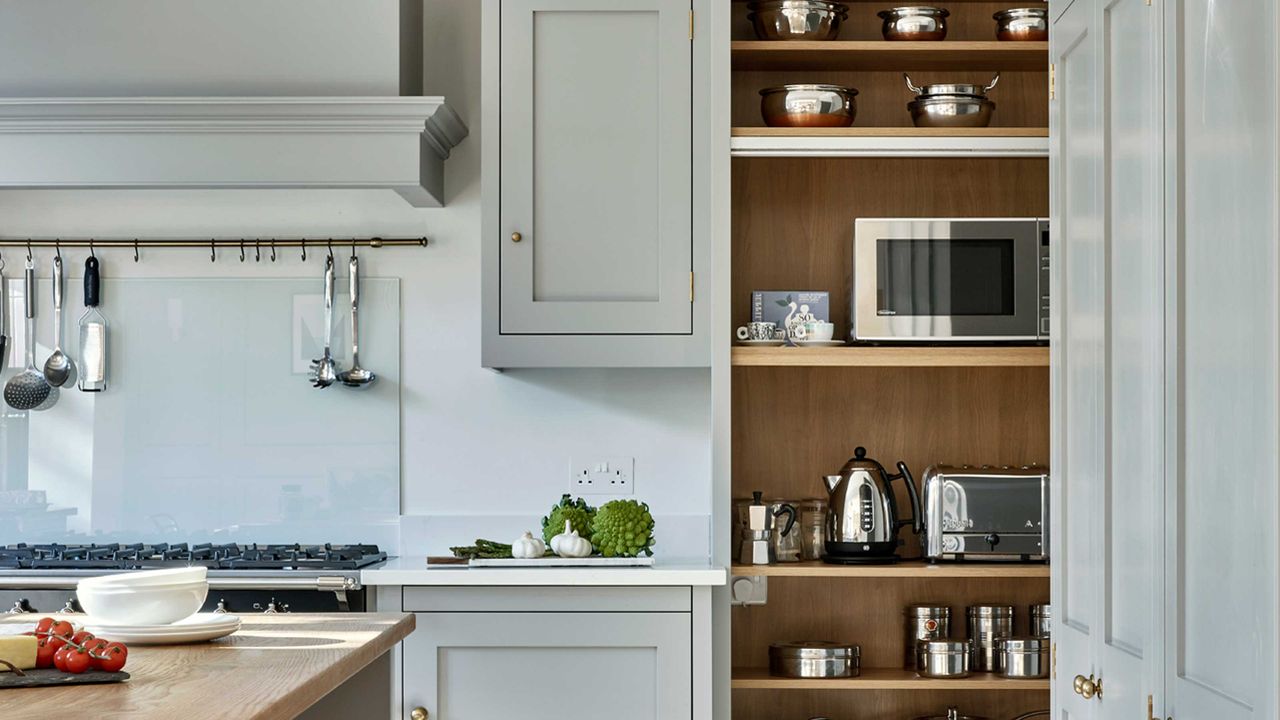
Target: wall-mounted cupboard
(595,157)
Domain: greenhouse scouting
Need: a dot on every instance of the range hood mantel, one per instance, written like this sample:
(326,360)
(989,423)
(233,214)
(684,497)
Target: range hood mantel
(398,143)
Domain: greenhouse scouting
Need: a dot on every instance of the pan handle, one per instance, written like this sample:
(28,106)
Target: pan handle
(994,79)
(915,88)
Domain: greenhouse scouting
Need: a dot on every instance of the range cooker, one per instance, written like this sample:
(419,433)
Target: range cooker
(41,578)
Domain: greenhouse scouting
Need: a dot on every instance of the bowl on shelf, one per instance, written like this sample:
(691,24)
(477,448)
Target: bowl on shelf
(808,106)
(797,19)
(915,22)
(141,604)
(1022,24)
(951,105)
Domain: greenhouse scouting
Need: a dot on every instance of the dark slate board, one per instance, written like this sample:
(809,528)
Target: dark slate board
(51,677)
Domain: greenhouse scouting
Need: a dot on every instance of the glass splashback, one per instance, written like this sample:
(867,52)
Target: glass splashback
(209,430)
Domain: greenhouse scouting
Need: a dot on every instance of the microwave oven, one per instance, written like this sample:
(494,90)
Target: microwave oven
(941,280)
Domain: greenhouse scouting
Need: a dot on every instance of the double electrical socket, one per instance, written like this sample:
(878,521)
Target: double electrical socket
(603,476)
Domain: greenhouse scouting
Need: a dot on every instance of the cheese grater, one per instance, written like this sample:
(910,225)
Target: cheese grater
(93,332)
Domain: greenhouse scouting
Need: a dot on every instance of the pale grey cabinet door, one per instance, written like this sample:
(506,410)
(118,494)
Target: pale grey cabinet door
(1222,501)
(546,666)
(596,166)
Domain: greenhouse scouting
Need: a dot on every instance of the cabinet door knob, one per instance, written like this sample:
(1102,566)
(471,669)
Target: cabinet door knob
(419,713)
(1087,687)
(516,237)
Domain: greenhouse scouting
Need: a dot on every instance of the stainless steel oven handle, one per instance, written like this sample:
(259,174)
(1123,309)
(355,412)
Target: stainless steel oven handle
(332,584)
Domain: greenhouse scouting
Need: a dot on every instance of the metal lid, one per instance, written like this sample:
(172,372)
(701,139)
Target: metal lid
(1013,13)
(1042,610)
(1023,644)
(990,611)
(814,650)
(967,89)
(943,647)
(927,611)
(810,86)
(776,4)
(910,10)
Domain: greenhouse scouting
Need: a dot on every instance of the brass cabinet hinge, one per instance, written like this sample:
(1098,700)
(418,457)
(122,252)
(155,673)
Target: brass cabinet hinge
(1055,661)
(1151,708)
(1052,81)
(690,286)
(691,24)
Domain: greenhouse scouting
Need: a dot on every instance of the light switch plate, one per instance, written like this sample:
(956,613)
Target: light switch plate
(603,476)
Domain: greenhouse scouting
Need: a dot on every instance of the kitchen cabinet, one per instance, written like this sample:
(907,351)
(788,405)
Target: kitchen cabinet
(591,163)
(539,652)
(1164,361)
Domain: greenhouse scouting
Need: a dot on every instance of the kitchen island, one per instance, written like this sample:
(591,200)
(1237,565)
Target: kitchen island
(277,666)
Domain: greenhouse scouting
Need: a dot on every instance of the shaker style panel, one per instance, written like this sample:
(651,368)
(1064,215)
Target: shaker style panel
(596,194)
(627,666)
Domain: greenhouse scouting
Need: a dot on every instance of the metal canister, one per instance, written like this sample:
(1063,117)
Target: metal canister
(987,624)
(942,659)
(1041,620)
(924,621)
(814,659)
(1026,657)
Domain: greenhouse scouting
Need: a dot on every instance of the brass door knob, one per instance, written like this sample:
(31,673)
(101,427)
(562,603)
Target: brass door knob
(516,237)
(1087,687)
(419,713)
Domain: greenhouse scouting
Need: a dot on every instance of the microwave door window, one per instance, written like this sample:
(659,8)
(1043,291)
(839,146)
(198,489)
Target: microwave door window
(942,280)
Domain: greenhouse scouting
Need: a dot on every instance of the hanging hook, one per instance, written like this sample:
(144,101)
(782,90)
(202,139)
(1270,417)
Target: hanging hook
(257,250)
(304,250)
(29,250)
(241,251)
(353,249)
(1,262)
(136,257)
(57,248)
(92,254)
(273,251)
(330,249)
(213,251)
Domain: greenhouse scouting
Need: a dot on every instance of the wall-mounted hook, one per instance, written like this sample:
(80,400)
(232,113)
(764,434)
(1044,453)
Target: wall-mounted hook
(29,258)
(331,249)
(213,251)
(136,256)
(257,250)
(273,251)
(1,262)
(304,250)
(241,251)
(353,251)
(57,248)
(92,254)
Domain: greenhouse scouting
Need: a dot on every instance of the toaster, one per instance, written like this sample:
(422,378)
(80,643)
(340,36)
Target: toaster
(986,513)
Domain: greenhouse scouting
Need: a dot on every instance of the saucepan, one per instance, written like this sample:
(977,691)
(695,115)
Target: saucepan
(951,104)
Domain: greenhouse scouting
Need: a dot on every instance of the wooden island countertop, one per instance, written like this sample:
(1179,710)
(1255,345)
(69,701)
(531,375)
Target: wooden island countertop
(275,667)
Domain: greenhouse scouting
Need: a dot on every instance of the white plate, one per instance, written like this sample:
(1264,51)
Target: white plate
(819,343)
(762,343)
(201,627)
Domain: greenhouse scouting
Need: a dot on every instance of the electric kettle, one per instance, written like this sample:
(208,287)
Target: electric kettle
(862,515)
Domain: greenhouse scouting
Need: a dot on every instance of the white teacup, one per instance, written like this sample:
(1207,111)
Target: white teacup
(819,331)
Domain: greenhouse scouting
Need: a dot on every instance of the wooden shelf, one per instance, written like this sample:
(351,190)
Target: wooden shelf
(880,55)
(890,142)
(891,357)
(881,679)
(914,569)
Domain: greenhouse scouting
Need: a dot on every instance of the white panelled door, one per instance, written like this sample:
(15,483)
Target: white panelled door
(1222,500)
(1077,354)
(1108,357)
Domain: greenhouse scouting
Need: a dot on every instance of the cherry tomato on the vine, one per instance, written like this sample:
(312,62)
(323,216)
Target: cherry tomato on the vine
(44,653)
(76,662)
(116,654)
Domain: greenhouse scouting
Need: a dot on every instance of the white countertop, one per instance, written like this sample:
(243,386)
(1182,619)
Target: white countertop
(413,571)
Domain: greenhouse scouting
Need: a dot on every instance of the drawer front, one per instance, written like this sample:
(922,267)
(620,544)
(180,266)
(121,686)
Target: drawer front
(547,599)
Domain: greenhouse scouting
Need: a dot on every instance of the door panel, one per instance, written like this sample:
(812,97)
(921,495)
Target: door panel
(1135,356)
(1223,505)
(596,136)
(1077,350)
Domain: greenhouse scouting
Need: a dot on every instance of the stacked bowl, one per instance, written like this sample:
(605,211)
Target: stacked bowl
(153,607)
(797,19)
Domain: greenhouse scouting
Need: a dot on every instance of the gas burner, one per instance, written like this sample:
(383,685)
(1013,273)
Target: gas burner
(229,556)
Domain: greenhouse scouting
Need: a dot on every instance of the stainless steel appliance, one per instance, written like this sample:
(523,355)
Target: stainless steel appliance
(242,578)
(924,621)
(988,624)
(862,513)
(986,513)
(950,280)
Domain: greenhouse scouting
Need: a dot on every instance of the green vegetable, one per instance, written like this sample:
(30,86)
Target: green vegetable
(576,512)
(482,549)
(623,528)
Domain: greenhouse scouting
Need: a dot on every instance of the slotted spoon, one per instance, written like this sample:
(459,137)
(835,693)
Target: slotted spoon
(28,390)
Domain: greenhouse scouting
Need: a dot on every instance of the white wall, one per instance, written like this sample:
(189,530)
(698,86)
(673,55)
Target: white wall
(483,453)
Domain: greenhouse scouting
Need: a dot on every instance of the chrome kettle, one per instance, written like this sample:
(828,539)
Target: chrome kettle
(862,514)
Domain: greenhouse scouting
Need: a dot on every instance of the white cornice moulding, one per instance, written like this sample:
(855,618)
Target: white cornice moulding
(399,143)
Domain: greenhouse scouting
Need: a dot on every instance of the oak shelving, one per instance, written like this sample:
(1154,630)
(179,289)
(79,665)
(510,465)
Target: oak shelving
(896,356)
(880,55)
(881,679)
(915,569)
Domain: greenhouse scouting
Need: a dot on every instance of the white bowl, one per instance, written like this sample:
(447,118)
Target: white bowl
(168,576)
(149,605)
